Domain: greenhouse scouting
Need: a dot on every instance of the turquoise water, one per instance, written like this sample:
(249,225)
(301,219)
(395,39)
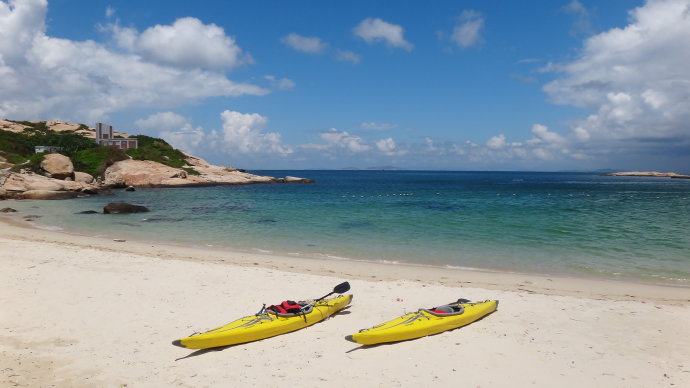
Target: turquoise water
(565,223)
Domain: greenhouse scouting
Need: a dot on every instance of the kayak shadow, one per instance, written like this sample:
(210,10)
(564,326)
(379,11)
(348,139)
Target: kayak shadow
(392,343)
(204,351)
(362,347)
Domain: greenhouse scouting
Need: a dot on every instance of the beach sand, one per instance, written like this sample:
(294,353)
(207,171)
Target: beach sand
(79,311)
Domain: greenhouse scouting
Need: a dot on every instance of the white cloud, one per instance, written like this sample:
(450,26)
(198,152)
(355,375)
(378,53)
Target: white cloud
(20,22)
(374,30)
(110,11)
(387,146)
(243,132)
(582,23)
(307,44)
(497,142)
(173,128)
(347,56)
(543,135)
(636,82)
(280,83)
(186,43)
(162,121)
(345,141)
(85,81)
(430,144)
(467,32)
(378,126)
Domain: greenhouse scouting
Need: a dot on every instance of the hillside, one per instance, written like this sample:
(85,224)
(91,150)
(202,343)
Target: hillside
(76,141)
(79,166)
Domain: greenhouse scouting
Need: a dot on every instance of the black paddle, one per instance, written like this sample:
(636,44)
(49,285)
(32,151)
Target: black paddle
(339,289)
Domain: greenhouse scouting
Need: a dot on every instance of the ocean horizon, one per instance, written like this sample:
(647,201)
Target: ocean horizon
(561,223)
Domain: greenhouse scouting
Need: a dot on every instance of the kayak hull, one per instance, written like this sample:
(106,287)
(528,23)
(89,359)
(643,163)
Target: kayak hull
(264,325)
(423,323)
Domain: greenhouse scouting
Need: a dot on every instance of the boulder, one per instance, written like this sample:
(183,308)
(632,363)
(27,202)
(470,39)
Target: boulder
(87,212)
(82,177)
(34,186)
(145,173)
(48,194)
(130,188)
(123,207)
(7,210)
(58,166)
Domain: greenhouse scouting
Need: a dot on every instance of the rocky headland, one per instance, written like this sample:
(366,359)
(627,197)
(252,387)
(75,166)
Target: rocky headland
(55,176)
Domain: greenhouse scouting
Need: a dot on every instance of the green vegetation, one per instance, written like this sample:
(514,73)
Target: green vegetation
(86,155)
(95,160)
(15,147)
(32,164)
(38,134)
(191,171)
(151,148)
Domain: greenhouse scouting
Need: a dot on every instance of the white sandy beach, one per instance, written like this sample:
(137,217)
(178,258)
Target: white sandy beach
(78,311)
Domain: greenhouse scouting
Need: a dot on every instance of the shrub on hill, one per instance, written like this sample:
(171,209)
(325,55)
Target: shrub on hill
(157,150)
(95,160)
(22,144)
(15,147)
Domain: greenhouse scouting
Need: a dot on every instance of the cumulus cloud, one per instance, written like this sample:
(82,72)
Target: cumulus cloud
(87,81)
(543,135)
(173,128)
(243,132)
(374,30)
(635,80)
(497,142)
(186,43)
(343,140)
(307,44)
(389,147)
(467,32)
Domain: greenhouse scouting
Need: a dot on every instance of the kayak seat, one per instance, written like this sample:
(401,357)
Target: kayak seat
(289,308)
(446,310)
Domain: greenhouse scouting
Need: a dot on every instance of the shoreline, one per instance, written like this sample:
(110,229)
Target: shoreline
(543,283)
(82,311)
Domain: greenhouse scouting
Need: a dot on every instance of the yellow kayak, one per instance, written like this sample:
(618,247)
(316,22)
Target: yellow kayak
(425,322)
(265,324)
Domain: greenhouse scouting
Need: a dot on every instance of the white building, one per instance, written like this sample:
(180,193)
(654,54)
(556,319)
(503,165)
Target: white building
(46,149)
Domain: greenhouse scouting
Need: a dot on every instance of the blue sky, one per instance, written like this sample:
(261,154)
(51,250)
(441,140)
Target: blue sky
(459,85)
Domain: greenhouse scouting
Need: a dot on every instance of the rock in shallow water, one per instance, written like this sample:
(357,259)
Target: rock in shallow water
(87,212)
(123,207)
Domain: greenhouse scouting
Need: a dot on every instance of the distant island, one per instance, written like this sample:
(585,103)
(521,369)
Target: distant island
(649,174)
(57,160)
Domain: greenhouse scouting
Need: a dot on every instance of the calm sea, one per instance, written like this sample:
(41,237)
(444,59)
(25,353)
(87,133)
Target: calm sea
(578,224)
